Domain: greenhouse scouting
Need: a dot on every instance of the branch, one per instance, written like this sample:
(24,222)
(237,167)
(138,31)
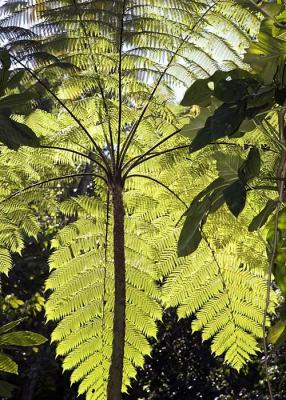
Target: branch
(159,183)
(142,156)
(50,180)
(65,107)
(133,131)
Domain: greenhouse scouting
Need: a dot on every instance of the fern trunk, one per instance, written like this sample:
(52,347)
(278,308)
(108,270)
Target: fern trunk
(117,356)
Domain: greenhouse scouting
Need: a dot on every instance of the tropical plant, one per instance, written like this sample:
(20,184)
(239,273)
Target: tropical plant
(253,103)
(116,124)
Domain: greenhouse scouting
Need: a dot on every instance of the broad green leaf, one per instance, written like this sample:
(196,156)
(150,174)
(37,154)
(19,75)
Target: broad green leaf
(216,184)
(231,91)
(227,165)
(190,236)
(250,168)
(277,333)
(191,129)
(201,90)
(247,125)
(15,101)
(217,199)
(260,219)
(22,338)
(11,325)
(14,134)
(225,121)
(261,97)
(198,94)
(6,389)
(265,54)
(7,364)
(213,194)
(235,197)
(280,273)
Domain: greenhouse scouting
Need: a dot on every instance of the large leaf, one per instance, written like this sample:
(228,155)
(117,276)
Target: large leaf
(280,275)
(202,89)
(260,219)
(235,197)
(22,338)
(14,134)
(198,94)
(277,334)
(265,54)
(250,168)
(227,165)
(190,236)
(7,364)
(233,90)
(191,129)
(216,184)
(14,102)
(225,121)
(11,325)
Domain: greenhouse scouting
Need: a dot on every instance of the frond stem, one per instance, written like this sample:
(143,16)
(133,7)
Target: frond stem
(111,144)
(152,155)
(142,156)
(48,181)
(74,117)
(159,183)
(133,131)
(74,152)
(121,31)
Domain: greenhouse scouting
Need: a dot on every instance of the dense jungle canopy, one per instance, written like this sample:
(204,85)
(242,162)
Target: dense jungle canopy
(142,199)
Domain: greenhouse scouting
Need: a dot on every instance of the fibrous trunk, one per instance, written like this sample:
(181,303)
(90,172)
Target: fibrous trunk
(116,367)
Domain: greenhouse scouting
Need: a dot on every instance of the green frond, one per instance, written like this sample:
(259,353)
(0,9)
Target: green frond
(82,298)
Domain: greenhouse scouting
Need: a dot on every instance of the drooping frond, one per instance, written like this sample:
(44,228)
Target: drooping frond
(82,299)
(224,282)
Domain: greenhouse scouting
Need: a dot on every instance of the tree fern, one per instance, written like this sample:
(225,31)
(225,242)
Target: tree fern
(116,114)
